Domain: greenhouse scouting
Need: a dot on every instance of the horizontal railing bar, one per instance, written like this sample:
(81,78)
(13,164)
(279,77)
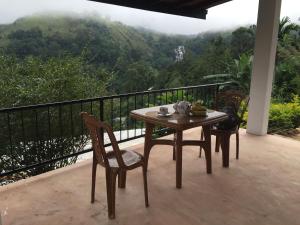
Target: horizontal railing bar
(3,110)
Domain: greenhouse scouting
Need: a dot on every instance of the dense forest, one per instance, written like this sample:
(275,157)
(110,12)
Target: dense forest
(55,58)
(47,59)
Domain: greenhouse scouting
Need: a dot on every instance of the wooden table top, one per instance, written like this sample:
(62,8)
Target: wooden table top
(175,120)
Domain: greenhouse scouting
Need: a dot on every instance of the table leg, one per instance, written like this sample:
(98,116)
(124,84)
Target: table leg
(148,144)
(178,148)
(225,139)
(207,147)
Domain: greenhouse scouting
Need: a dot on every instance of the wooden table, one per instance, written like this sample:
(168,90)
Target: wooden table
(180,123)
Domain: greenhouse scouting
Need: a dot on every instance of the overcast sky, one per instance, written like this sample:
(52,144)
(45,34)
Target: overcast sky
(228,15)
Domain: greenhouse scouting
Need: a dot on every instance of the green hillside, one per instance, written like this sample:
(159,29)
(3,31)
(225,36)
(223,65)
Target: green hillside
(105,41)
(124,59)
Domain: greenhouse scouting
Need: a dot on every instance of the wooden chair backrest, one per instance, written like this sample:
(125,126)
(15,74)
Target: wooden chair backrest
(96,129)
(232,98)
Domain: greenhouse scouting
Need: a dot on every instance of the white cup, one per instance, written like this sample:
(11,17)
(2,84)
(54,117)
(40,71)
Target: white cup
(163,110)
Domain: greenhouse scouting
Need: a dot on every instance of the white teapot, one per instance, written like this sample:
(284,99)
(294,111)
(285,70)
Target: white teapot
(182,107)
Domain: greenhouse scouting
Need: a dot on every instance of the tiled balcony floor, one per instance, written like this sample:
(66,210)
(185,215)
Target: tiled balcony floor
(262,188)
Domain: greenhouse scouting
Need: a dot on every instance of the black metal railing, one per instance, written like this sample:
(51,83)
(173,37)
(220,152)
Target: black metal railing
(39,138)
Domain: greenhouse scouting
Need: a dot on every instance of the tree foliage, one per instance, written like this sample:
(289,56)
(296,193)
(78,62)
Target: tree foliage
(34,81)
(132,55)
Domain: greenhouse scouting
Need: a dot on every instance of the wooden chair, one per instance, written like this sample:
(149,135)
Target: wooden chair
(233,98)
(116,162)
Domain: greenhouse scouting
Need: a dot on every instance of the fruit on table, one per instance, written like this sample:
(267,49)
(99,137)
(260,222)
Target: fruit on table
(197,106)
(198,109)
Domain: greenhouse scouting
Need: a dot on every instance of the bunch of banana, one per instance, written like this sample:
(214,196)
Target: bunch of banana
(198,109)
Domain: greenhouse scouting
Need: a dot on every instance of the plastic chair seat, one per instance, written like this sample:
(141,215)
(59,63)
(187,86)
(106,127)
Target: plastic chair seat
(131,159)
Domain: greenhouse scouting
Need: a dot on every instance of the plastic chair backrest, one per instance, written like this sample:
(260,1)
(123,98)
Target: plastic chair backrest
(96,129)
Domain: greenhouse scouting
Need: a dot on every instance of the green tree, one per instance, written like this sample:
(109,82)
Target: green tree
(242,41)
(285,29)
(34,81)
(287,61)
(139,76)
(242,71)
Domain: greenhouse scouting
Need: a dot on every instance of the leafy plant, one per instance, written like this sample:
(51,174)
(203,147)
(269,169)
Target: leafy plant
(283,116)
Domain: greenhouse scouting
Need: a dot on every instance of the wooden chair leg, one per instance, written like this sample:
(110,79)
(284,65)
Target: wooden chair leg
(111,192)
(218,143)
(108,189)
(122,179)
(94,170)
(113,195)
(237,145)
(201,139)
(145,186)
(225,146)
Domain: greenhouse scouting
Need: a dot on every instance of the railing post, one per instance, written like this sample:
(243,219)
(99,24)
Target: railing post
(102,117)
(10,140)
